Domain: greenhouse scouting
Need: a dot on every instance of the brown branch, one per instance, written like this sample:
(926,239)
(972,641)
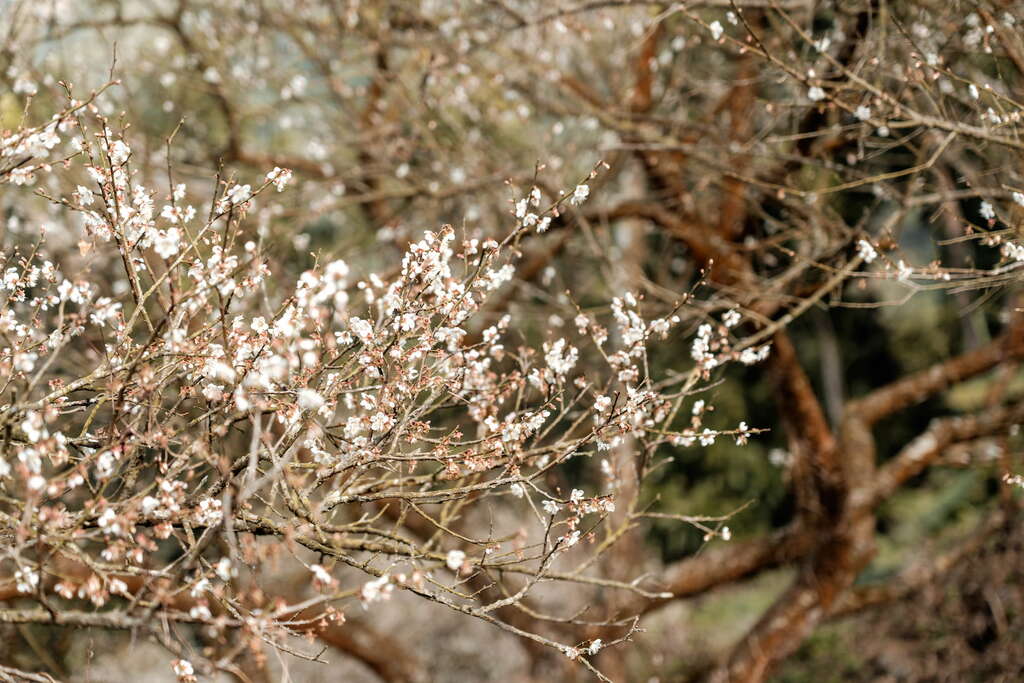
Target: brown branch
(732,213)
(919,574)
(9,675)
(919,386)
(378,652)
(820,485)
(1006,38)
(642,98)
(791,619)
(706,246)
(838,541)
(77,618)
(846,545)
(731,563)
(941,433)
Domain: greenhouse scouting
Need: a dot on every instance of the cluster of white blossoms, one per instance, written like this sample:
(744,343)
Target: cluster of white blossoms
(712,345)
(376,590)
(25,152)
(1013,251)
(26,579)
(526,212)
(191,394)
(184,670)
(866,251)
(1010,248)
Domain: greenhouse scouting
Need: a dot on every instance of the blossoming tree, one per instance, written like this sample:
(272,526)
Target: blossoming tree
(296,292)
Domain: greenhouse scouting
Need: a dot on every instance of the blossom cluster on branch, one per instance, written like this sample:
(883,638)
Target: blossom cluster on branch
(171,426)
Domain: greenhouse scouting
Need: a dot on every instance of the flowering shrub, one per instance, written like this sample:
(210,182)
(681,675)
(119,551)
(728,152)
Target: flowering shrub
(168,428)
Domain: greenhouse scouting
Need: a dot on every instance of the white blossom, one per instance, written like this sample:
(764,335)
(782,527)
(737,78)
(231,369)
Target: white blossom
(167,243)
(580,194)
(309,399)
(322,576)
(454,559)
(376,590)
(866,251)
(280,177)
(26,579)
(184,670)
(119,152)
